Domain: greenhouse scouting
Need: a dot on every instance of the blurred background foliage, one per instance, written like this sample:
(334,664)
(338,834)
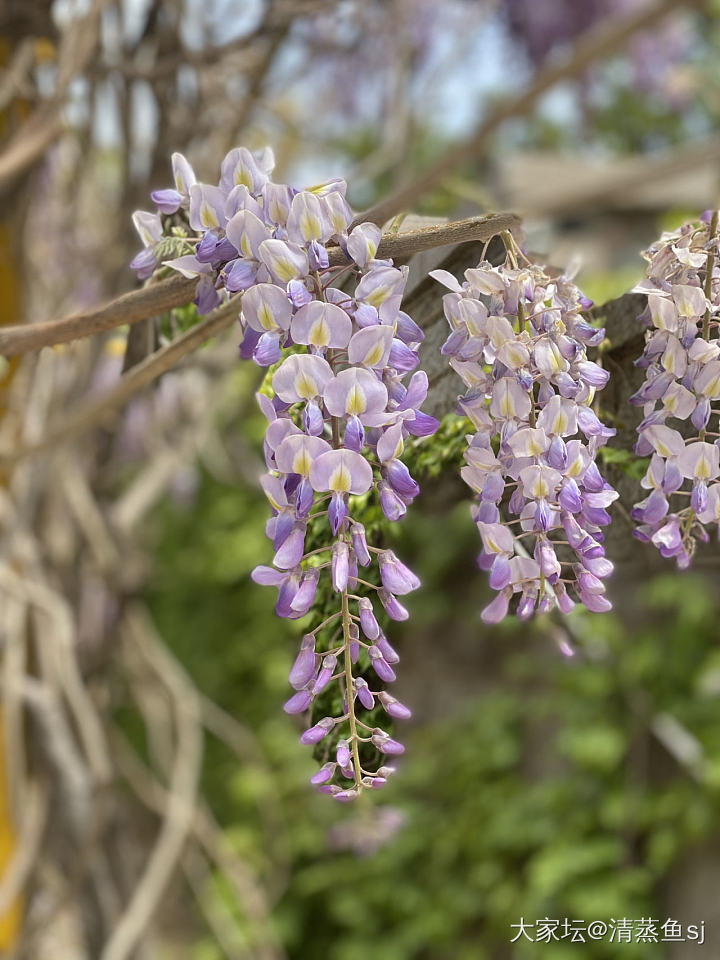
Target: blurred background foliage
(553,770)
(558,789)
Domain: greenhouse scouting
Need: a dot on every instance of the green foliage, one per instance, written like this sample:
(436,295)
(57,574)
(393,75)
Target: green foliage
(548,795)
(179,320)
(443,452)
(625,460)
(605,285)
(631,120)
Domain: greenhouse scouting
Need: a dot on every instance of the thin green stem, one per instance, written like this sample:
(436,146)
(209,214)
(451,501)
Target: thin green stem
(522,327)
(709,273)
(507,239)
(347,620)
(333,616)
(350,693)
(312,553)
(366,583)
(710,266)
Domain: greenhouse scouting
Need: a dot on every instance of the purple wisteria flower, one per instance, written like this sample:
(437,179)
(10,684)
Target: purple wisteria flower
(519,341)
(681,360)
(338,420)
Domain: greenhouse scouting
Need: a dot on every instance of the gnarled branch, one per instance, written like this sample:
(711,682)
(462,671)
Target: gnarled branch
(159,297)
(127,309)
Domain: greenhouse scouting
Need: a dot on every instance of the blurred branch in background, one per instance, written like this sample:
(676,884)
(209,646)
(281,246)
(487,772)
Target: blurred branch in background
(76,50)
(82,765)
(599,42)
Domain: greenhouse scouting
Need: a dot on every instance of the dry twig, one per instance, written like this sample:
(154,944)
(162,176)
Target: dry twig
(45,125)
(181,797)
(22,861)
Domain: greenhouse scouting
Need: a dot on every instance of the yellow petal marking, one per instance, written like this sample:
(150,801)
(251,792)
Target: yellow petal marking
(356,401)
(535,448)
(285,269)
(378,296)
(540,488)
(266,318)
(713,387)
(560,422)
(492,545)
(506,404)
(207,216)
(340,479)
(305,386)
(319,335)
(310,226)
(374,355)
(302,462)
(242,176)
(702,468)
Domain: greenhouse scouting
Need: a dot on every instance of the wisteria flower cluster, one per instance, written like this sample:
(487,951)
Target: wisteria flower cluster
(338,419)
(681,360)
(519,341)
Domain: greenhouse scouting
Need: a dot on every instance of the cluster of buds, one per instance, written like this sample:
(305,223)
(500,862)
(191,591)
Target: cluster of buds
(681,360)
(338,418)
(519,341)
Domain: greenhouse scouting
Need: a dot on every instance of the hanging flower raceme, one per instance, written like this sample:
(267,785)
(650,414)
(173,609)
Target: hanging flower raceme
(681,359)
(519,341)
(338,419)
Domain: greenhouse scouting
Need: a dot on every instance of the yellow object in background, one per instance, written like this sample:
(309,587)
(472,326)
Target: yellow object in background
(10,920)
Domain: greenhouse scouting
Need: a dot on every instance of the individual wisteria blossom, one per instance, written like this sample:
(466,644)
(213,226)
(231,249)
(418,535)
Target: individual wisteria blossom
(519,341)
(340,415)
(681,391)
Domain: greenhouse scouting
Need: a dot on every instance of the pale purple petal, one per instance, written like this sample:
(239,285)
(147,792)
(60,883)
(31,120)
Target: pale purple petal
(207,207)
(371,346)
(301,377)
(285,261)
(321,325)
(363,242)
(355,392)
(246,232)
(297,452)
(341,471)
(308,220)
(240,167)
